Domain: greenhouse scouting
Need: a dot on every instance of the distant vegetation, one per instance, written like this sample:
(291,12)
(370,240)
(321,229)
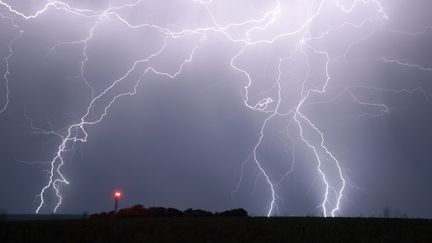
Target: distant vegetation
(139,211)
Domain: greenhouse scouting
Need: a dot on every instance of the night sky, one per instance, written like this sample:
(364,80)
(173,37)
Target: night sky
(215,104)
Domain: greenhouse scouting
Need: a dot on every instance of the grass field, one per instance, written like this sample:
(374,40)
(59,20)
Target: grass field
(247,229)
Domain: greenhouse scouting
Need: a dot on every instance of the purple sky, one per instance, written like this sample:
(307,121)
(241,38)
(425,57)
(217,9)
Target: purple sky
(279,107)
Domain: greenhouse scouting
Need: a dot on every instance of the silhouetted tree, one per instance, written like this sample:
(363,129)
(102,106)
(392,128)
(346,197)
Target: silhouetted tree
(139,211)
(197,213)
(238,212)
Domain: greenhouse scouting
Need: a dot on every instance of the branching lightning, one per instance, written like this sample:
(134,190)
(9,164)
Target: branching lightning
(7,72)
(100,104)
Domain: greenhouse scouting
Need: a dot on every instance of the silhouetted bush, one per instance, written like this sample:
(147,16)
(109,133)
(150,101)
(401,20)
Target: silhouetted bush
(197,213)
(139,211)
(238,212)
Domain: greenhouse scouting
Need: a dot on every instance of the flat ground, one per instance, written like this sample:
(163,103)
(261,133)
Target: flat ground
(253,229)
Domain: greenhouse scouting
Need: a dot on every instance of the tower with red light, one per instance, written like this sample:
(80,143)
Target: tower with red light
(117,196)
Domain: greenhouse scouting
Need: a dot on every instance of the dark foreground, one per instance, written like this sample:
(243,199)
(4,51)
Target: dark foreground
(219,230)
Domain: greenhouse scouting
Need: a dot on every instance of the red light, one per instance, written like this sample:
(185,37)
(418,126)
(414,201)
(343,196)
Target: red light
(117,194)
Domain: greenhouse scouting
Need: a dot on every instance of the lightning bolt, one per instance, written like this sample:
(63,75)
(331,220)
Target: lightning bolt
(7,72)
(298,115)
(100,104)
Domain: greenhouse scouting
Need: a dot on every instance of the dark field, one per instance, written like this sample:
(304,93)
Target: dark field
(247,229)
